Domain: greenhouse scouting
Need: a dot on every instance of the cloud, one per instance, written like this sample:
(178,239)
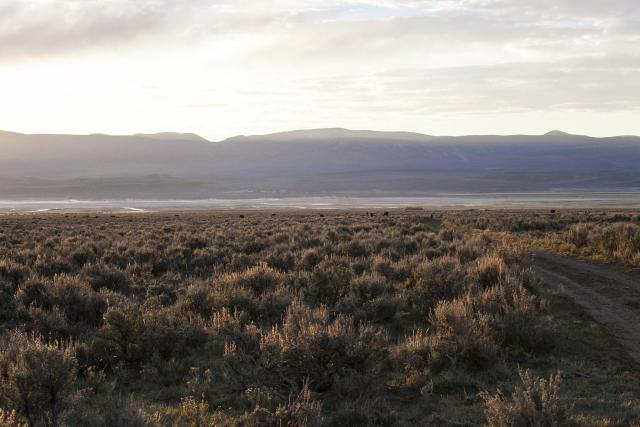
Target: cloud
(285,61)
(42,26)
(605,84)
(36,28)
(29,28)
(573,85)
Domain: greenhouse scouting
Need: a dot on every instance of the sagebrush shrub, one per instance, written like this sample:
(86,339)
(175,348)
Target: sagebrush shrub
(258,279)
(310,258)
(37,378)
(535,403)
(516,313)
(487,271)
(311,345)
(329,282)
(462,336)
(435,280)
(11,272)
(578,235)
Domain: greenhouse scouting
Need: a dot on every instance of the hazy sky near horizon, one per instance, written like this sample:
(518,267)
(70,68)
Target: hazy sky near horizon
(221,68)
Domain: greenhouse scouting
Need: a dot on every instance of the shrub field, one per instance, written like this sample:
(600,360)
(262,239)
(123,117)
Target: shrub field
(296,319)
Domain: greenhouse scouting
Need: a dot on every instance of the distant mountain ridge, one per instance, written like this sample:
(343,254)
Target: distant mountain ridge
(557,133)
(310,162)
(332,133)
(172,136)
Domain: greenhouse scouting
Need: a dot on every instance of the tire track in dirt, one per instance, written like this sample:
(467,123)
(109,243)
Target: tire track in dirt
(610,295)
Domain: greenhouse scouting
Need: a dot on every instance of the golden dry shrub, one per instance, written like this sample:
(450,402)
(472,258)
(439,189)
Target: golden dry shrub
(536,402)
(462,336)
(310,345)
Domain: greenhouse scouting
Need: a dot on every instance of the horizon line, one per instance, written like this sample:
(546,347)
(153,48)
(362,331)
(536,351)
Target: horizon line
(554,132)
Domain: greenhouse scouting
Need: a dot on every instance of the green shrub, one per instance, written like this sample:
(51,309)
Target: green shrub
(120,335)
(329,282)
(100,277)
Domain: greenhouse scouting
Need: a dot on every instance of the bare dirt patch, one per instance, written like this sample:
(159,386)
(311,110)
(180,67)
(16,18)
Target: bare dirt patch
(609,294)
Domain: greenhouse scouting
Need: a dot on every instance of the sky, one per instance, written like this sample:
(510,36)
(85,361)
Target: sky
(223,68)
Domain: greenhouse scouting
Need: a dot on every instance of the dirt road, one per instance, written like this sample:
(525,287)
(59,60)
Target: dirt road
(609,294)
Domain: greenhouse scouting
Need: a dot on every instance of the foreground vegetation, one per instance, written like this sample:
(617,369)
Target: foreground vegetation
(283,319)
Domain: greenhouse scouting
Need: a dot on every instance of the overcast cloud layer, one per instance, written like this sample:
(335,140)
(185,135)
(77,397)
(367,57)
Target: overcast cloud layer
(222,68)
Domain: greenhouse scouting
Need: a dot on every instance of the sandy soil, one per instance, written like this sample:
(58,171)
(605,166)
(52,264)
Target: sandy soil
(609,294)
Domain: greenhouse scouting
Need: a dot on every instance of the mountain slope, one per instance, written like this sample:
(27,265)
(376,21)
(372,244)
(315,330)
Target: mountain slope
(318,161)
(173,136)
